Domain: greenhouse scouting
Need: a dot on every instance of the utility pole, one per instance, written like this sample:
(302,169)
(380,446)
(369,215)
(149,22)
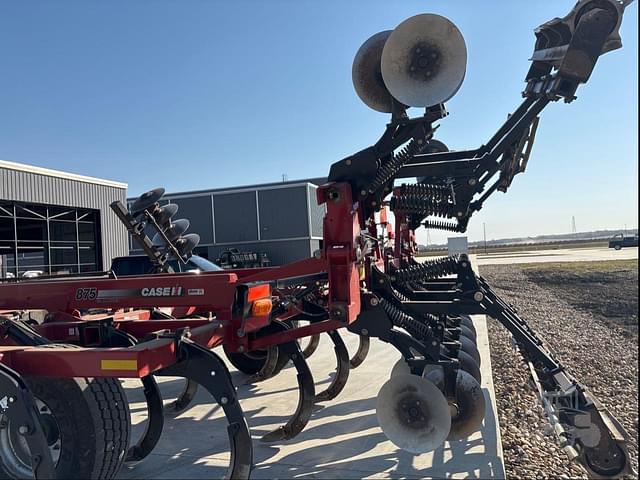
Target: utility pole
(484,229)
(573,225)
(284,177)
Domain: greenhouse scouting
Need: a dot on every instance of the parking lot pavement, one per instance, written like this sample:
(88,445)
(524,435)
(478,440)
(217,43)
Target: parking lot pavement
(342,439)
(560,255)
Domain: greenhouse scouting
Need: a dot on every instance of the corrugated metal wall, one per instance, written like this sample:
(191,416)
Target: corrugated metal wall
(316,212)
(31,187)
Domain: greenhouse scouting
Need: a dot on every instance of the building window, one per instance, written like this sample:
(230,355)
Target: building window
(48,240)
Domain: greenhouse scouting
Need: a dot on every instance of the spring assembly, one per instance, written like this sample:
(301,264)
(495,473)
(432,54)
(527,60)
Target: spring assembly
(416,329)
(423,207)
(399,296)
(446,226)
(427,270)
(391,167)
(438,193)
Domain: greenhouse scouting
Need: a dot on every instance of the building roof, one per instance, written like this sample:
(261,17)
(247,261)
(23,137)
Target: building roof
(21,167)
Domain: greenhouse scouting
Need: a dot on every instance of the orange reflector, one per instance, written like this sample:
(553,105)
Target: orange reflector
(262,307)
(259,291)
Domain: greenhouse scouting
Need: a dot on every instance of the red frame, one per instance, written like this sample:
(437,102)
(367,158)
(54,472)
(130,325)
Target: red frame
(216,292)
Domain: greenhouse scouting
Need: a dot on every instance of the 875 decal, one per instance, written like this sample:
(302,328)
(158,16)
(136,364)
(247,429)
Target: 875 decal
(86,293)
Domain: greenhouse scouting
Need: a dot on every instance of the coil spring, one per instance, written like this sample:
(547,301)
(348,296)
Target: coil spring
(401,297)
(427,270)
(438,193)
(393,165)
(447,226)
(423,207)
(400,319)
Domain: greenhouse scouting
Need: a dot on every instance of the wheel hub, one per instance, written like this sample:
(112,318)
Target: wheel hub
(14,449)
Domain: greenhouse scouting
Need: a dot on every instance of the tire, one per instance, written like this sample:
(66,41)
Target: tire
(618,247)
(91,427)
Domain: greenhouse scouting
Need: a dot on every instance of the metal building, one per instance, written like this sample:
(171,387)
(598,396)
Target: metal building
(57,222)
(282,219)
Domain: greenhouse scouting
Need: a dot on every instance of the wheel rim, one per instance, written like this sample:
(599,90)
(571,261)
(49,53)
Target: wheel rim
(14,450)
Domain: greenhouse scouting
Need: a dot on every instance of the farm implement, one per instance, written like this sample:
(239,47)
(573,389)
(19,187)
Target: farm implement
(63,411)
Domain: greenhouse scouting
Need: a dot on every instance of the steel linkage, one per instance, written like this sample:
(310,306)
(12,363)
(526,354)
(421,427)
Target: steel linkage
(365,279)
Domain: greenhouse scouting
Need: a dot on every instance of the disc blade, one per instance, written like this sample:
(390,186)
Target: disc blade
(146,200)
(163,215)
(177,228)
(424,60)
(158,240)
(367,76)
(413,413)
(186,244)
(400,368)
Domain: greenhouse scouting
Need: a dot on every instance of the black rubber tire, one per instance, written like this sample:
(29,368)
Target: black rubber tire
(467,332)
(469,400)
(469,346)
(92,415)
(467,322)
(468,364)
(249,364)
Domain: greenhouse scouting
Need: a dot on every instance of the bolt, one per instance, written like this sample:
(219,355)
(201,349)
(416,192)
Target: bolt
(224,400)
(472,181)
(23,429)
(364,331)
(434,343)
(363,192)
(348,162)
(240,332)
(478,296)
(464,264)
(427,73)
(240,349)
(381,281)
(374,301)
(420,141)
(294,356)
(213,373)
(417,403)
(460,214)
(374,203)
(12,399)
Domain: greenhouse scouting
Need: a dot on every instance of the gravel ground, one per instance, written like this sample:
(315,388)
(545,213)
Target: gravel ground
(600,353)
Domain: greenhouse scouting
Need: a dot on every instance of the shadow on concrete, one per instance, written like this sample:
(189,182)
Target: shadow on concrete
(198,447)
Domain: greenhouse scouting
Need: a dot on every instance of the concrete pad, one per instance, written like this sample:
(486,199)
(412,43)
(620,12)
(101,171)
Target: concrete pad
(558,255)
(342,440)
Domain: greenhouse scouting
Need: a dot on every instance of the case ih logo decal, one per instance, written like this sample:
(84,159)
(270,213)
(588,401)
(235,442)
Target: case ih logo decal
(161,292)
(104,294)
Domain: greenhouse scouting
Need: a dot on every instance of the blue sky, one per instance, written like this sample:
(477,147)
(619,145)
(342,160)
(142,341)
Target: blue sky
(199,94)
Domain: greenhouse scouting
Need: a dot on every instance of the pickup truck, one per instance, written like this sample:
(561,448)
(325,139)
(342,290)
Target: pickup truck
(618,241)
